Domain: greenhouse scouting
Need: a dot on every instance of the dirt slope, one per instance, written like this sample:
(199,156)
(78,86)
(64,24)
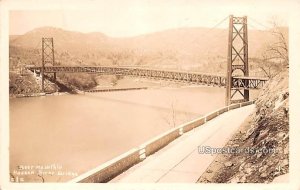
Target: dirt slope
(266,132)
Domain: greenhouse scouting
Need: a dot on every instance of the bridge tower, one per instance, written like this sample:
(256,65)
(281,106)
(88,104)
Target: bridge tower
(47,58)
(237,59)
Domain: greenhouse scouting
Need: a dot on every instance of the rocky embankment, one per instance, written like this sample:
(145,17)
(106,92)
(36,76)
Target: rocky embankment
(27,84)
(265,133)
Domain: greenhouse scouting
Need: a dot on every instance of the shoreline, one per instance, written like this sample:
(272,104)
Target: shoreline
(41,94)
(29,95)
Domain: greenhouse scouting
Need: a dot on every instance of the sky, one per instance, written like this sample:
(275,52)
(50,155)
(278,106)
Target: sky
(135,17)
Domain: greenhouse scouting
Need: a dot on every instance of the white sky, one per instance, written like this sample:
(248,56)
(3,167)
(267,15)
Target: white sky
(134,17)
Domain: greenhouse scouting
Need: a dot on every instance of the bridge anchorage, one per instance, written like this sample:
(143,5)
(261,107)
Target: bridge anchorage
(237,60)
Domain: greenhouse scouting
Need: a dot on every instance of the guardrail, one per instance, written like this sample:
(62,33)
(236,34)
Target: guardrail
(116,166)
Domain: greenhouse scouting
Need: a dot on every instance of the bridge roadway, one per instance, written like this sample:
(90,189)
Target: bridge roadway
(189,77)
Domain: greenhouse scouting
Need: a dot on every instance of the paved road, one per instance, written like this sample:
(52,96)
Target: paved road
(180,161)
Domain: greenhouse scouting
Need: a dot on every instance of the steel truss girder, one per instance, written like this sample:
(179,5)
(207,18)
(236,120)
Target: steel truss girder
(186,77)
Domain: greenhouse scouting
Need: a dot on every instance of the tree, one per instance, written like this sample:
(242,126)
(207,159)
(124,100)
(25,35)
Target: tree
(279,48)
(117,57)
(171,117)
(269,67)
(275,57)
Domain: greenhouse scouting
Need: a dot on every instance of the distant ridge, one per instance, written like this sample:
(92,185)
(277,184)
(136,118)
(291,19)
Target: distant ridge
(195,41)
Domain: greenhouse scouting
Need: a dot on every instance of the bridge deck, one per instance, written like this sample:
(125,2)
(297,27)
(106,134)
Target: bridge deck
(183,76)
(67,68)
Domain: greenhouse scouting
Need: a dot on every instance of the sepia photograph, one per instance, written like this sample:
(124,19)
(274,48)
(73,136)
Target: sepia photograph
(159,92)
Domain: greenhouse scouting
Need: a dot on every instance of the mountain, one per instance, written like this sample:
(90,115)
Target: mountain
(13,37)
(181,46)
(184,40)
(63,40)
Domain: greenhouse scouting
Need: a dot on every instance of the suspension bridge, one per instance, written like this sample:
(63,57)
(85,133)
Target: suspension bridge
(237,59)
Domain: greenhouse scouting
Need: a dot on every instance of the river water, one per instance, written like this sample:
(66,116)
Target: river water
(79,132)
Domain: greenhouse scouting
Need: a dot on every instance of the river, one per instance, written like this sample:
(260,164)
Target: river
(79,132)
